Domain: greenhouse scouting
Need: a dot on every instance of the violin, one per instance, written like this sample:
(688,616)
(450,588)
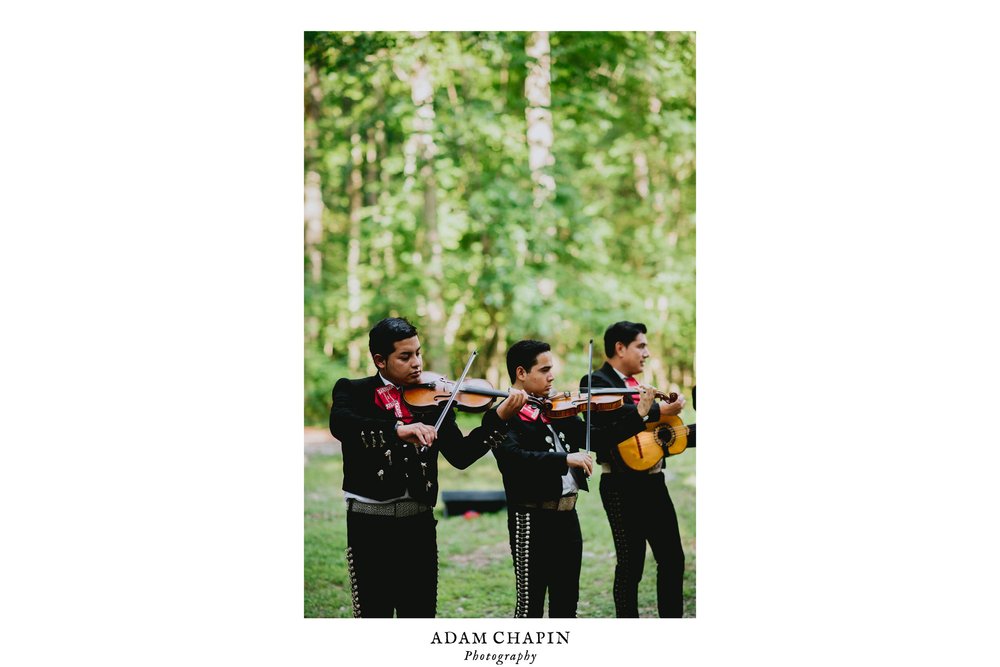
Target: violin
(569,404)
(477,395)
(434,390)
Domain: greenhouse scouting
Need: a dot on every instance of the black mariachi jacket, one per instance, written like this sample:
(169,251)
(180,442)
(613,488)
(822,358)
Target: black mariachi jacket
(378,465)
(531,465)
(606,376)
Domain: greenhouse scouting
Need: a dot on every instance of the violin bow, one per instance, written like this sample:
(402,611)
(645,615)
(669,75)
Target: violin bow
(590,388)
(458,385)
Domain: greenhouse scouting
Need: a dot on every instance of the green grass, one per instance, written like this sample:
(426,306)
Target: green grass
(476,578)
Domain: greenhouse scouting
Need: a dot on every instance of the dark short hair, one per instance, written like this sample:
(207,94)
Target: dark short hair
(524,353)
(383,336)
(623,332)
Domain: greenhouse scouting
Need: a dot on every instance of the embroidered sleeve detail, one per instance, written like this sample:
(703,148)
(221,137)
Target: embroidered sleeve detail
(494,439)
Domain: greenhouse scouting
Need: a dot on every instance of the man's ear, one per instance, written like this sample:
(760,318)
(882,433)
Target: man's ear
(520,373)
(379,361)
(620,348)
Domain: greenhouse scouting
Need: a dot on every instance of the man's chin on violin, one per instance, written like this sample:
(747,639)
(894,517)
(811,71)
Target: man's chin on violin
(538,382)
(404,367)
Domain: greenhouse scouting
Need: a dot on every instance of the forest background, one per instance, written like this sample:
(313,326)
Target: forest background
(494,186)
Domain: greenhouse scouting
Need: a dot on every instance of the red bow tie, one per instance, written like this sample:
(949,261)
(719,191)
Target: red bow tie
(387,398)
(530,413)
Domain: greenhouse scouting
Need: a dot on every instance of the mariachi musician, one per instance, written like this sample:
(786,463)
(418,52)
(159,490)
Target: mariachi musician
(638,505)
(391,475)
(543,470)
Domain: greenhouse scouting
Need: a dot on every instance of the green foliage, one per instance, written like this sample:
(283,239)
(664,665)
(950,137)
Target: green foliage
(320,376)
(616,241)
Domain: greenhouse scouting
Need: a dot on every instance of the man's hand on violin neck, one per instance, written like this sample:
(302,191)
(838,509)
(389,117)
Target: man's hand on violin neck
(672,409)
(646,397)
(417,434)
(512,404)
(581,460)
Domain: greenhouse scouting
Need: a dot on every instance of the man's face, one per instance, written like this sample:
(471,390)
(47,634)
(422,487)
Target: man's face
(539,379)
(633,357)
(404,363)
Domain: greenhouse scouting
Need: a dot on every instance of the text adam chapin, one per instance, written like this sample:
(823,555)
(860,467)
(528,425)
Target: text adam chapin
(504,638)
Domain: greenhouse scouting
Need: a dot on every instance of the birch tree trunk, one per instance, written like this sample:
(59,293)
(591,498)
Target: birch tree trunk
(313,189)
(314,110)
(371,173)
(537,90)
(385,184)
(314,225)
(420,151)
(356,319)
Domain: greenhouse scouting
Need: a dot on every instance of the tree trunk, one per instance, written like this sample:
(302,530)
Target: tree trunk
(385,183)
(661,183)
(537,90)
(420,150)
(313,189)
(641,168)
(356,319)
(494,352)
(314,110)
(659,378)
(314,225)
(371,174)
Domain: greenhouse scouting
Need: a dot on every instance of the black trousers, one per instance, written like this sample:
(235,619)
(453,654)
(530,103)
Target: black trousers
(547,550)
(640,510)
(393,565)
